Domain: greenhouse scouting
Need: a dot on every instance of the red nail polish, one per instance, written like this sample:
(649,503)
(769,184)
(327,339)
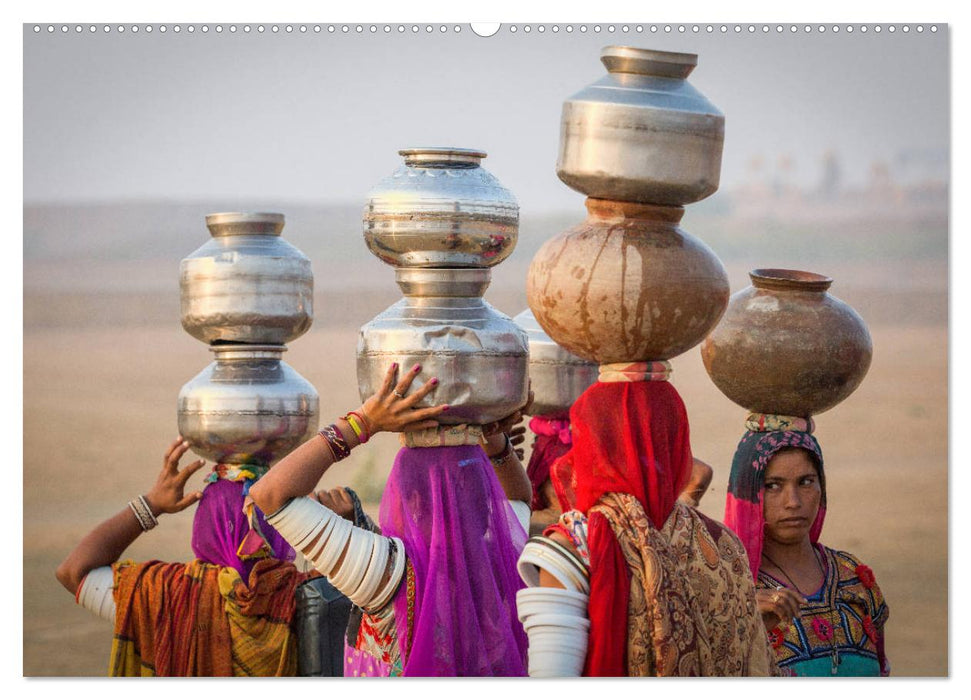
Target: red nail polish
(394,365)
(445,408)
(434,380)
(416,368)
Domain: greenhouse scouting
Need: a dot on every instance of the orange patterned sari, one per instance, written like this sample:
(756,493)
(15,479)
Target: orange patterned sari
(198,619)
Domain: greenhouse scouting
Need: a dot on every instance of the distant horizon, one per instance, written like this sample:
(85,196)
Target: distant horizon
(320,116)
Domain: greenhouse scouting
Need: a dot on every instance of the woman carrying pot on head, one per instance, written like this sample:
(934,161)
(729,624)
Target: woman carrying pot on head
(631,582)
(438,585)
(822,608)
(226,613)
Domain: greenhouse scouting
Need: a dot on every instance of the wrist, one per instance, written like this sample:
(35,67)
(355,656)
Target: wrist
(143,513)
(340,439)
(359,424)
(498,447)
(349,434)
(151,501)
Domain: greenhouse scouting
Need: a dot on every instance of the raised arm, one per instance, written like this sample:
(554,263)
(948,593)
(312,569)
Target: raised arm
(106,542)
(389,409)
(698,484)
(505,458)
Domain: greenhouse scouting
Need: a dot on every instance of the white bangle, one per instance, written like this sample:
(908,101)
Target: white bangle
(542,600)
(556,651)
(367,554)
(315,536)
(330,552)
(375,572)
(541,552)
(385,595)
(297,519)
(97,593)
(556,624)
(301,520)
(347,576)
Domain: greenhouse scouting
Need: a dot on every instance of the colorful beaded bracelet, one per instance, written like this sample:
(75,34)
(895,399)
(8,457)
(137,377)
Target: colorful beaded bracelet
(338,445)
(359,425)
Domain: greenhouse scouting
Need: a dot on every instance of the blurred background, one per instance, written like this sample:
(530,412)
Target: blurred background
(837,160)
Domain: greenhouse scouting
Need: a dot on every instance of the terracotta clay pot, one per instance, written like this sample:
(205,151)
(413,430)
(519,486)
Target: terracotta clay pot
(627,285)
(787,346)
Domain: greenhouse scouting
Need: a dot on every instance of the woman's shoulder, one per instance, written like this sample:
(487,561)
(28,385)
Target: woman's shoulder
(720,533)
(849,566)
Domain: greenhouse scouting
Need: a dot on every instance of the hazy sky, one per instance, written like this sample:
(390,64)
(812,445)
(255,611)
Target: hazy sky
(320,117)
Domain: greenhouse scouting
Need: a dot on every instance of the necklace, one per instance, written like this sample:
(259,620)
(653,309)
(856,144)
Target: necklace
(789,578)
(834,667)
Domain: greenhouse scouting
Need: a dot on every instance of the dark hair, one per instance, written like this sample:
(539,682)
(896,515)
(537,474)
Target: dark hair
(813,457)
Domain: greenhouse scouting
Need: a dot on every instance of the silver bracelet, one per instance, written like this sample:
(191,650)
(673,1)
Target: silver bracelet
(143,514)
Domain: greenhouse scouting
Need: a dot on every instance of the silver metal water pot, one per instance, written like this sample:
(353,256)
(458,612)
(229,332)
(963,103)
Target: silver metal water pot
(479,354)
(558,376)
(246,284)
(441,209)
(247,407)
(642,133)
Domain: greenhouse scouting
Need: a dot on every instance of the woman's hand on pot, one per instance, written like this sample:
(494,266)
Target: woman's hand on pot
(517,436)
(391,409)
(777,605)
(168,493)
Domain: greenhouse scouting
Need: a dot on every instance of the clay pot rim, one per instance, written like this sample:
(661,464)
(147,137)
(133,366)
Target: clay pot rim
(790,280)
(618,209)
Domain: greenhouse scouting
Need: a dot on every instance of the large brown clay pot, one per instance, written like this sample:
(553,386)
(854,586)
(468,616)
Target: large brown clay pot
(627,285)
(787,346)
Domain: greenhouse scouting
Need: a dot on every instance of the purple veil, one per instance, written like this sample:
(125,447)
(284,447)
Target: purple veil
(463,539)
(220,525)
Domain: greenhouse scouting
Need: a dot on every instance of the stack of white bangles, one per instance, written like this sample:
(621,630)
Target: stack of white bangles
(97,593)
(555,619)
(322,536)
(561,563)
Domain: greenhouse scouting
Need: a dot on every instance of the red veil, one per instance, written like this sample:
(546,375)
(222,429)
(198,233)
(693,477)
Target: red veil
(628,437)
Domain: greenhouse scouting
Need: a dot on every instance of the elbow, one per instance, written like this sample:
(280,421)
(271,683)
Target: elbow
(265,498)
(69,576)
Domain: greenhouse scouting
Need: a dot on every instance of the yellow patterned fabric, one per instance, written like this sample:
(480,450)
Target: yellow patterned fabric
(443,436)
(692,609)
(772,422)
(198,619)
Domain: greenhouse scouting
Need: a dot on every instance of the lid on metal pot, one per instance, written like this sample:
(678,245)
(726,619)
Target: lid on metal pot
(442,157)
(661,64)
(245,223)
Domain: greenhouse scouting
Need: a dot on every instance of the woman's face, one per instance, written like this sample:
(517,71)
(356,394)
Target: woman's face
(791,497)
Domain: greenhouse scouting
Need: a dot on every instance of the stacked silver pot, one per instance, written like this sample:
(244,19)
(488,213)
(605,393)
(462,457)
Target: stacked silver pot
(557,376)
(628,284)
(443,221)
(246,293)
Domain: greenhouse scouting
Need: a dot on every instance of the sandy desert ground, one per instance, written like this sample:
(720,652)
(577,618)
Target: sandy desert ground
(100,409)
